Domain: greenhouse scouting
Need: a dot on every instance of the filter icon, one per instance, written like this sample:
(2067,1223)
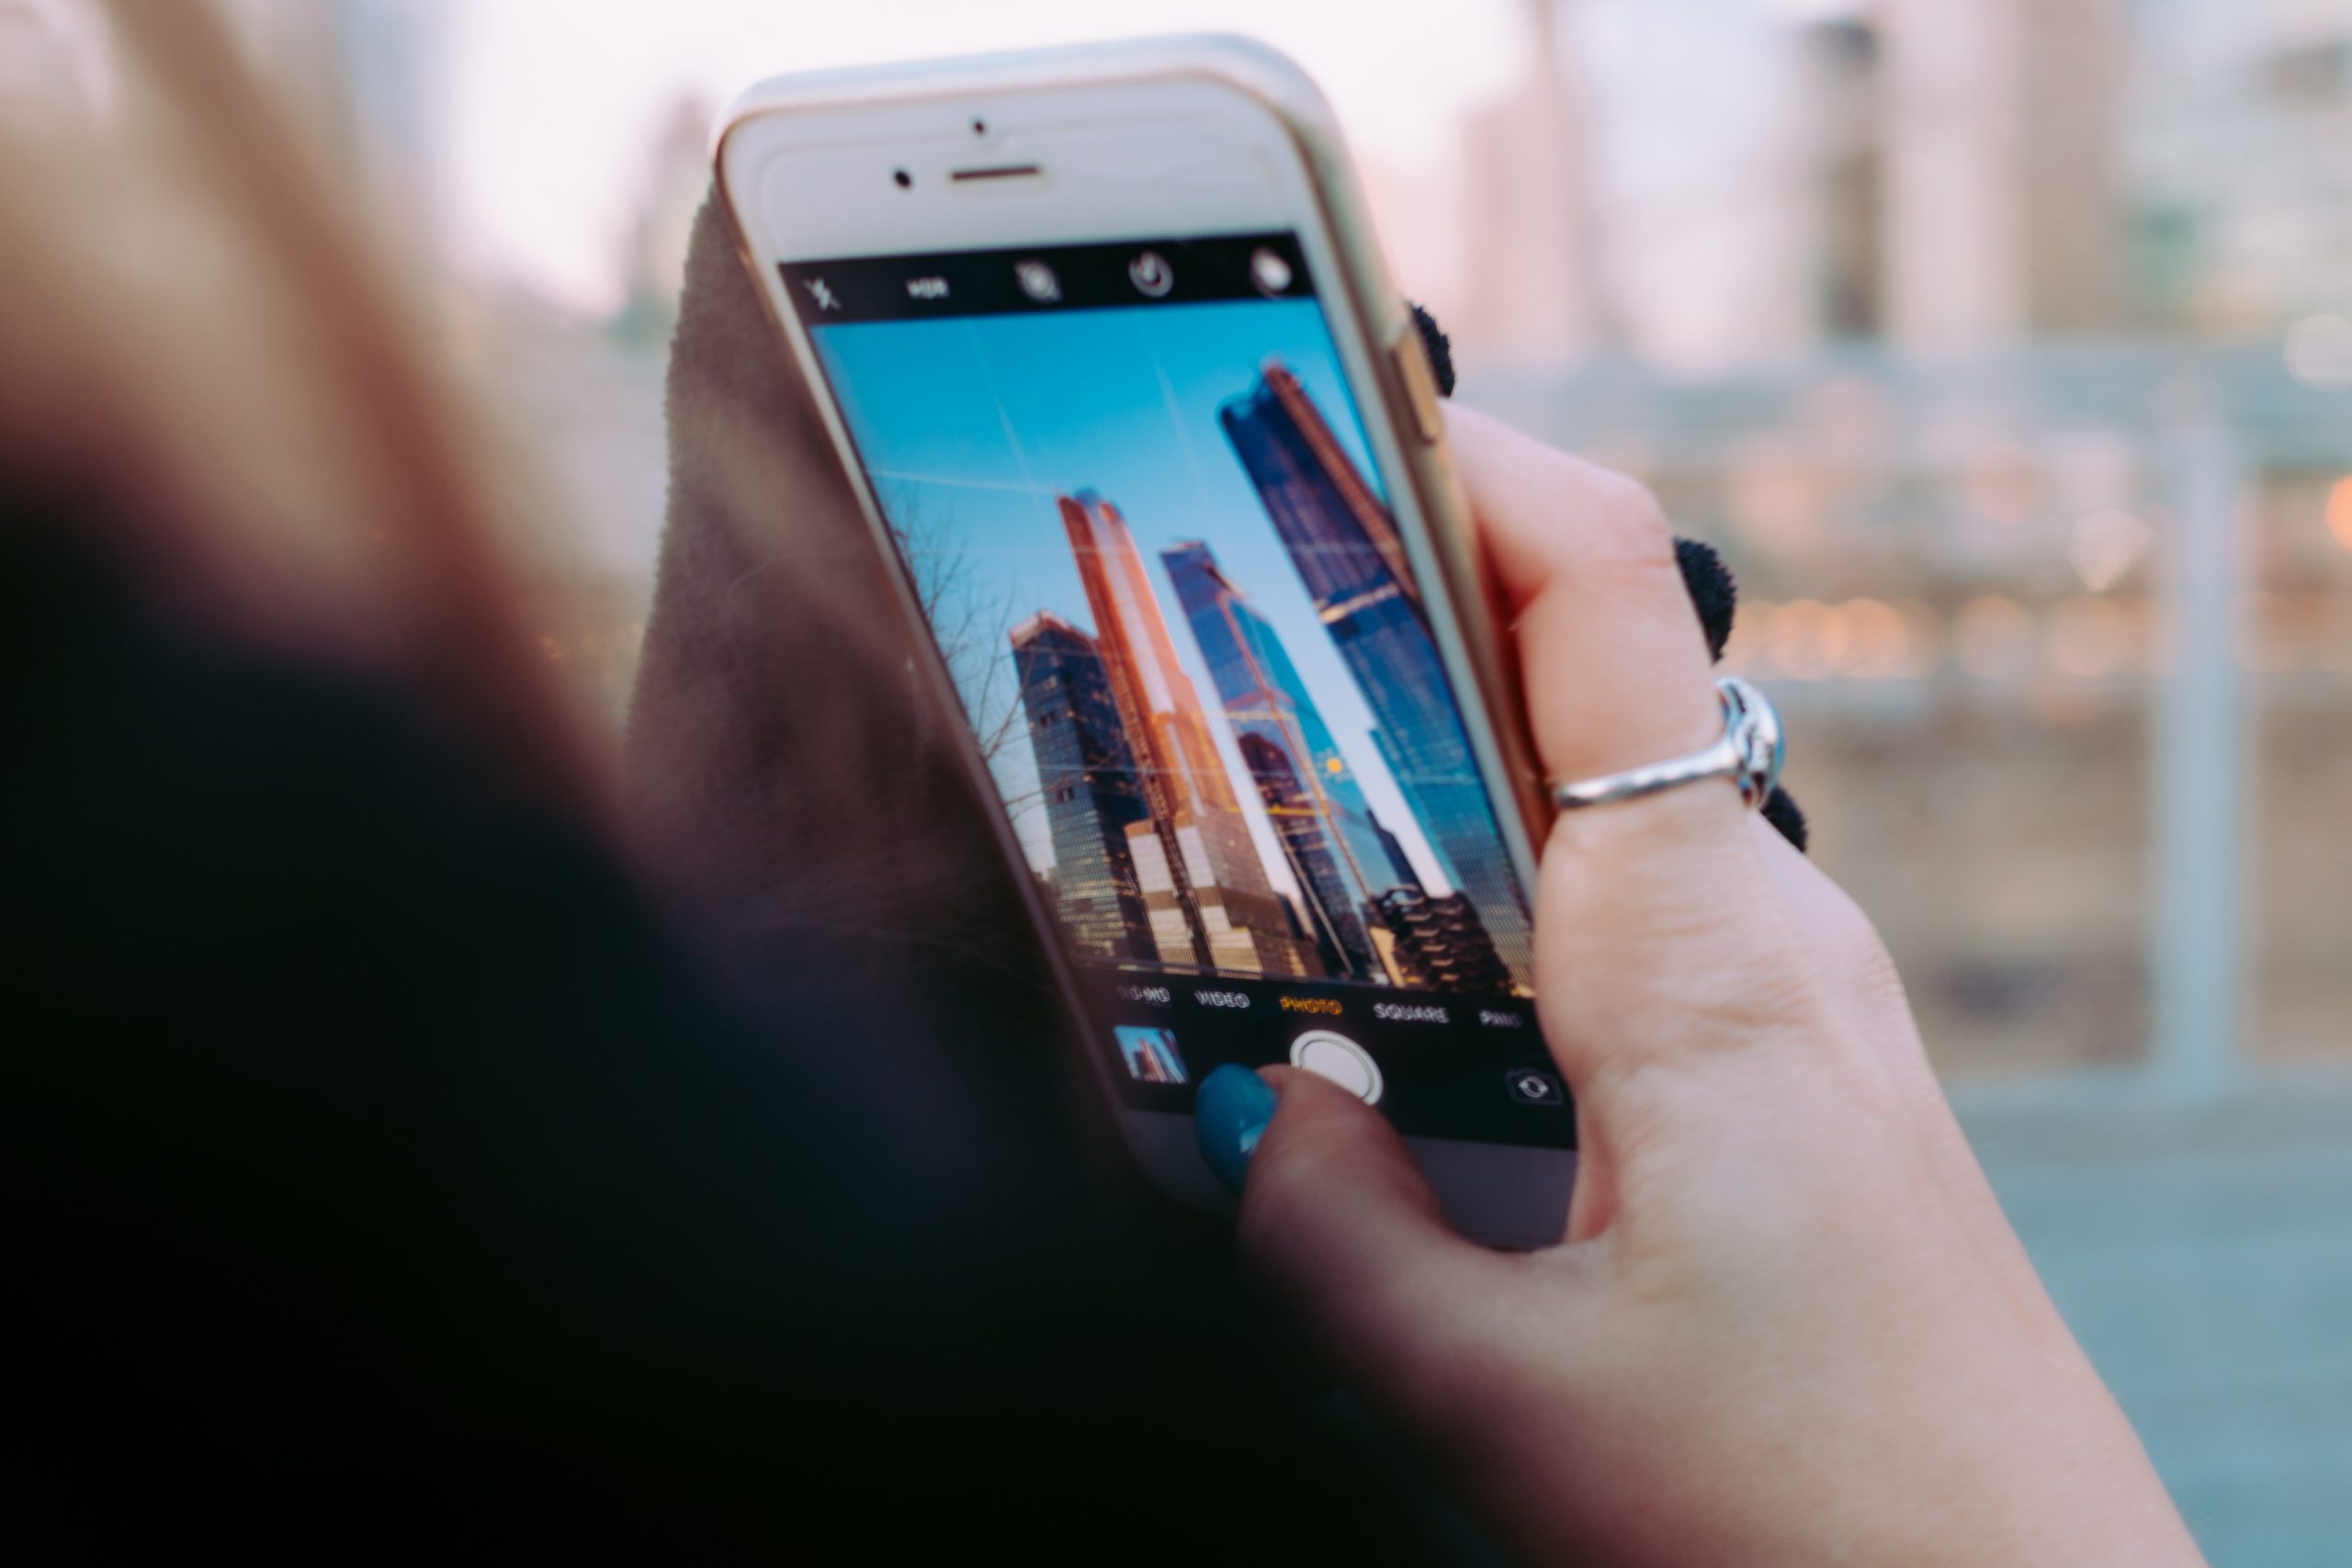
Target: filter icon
(1268,271)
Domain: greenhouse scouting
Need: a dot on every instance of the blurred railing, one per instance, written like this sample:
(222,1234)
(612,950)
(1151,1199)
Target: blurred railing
(2065,638)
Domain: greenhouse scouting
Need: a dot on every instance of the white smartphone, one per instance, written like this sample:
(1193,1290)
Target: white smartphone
(1106,344)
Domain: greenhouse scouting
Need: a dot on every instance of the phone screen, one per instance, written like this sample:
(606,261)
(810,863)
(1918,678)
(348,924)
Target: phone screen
(1138,506)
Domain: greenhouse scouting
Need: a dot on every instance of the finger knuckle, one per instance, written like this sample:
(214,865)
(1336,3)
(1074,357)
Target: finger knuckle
(1876,978)
(1844,933)
(1632,522)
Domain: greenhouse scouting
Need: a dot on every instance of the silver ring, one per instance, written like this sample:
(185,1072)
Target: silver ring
(1749,754)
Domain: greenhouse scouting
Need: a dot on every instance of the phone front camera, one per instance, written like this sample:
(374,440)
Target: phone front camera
(980,128)
(903,178)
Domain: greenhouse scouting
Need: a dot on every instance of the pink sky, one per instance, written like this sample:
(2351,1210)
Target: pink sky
(554,101)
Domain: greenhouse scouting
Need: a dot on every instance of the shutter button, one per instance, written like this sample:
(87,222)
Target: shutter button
(1340,1060)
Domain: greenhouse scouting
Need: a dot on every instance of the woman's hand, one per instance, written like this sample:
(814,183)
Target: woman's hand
(1789,1323)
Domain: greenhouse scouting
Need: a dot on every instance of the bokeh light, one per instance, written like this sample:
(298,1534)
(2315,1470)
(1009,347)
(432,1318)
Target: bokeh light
(2105,546)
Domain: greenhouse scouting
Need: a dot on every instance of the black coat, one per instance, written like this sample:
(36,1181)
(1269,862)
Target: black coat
(388,1172)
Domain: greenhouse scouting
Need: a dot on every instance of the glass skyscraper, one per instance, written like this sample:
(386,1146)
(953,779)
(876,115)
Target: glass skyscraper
(1336,849)
(1344,542)
(1205,888)
(1094,793)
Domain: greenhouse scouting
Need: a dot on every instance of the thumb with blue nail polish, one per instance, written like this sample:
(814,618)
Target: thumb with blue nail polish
(1229,1115)
(1336,1215)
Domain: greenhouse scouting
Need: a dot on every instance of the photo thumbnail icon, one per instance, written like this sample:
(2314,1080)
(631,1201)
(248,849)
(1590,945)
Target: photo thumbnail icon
(1150,1056)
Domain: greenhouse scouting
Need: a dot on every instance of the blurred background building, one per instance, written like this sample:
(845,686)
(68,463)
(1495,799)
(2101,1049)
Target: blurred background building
(2005,347)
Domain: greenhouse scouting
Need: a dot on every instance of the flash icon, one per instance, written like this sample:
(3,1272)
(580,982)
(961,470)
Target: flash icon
(823,293)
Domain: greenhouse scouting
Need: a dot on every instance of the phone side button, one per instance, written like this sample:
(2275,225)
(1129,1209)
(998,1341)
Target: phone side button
(1412,366)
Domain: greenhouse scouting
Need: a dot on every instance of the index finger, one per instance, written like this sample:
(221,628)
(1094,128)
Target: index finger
(1647,940)
(1612,659)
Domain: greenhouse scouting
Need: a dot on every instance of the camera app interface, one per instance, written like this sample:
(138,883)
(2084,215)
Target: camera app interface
(1141,516)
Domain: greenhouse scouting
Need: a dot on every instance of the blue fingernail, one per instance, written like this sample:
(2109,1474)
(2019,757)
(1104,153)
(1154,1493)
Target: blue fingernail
(1229,1115)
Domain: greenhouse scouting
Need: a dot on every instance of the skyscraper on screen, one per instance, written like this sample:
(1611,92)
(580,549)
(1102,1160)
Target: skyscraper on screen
(1438,944)
(1394,848)
(1327,832)
(1092,792)
(1344,542)
(1209,901)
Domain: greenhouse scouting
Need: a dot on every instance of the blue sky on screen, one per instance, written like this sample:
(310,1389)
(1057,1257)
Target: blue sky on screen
(970,427)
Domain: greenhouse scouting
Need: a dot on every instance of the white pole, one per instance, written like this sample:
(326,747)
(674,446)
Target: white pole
(2197,942)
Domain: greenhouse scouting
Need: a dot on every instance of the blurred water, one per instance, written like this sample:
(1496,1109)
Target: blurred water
(2202,1258)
